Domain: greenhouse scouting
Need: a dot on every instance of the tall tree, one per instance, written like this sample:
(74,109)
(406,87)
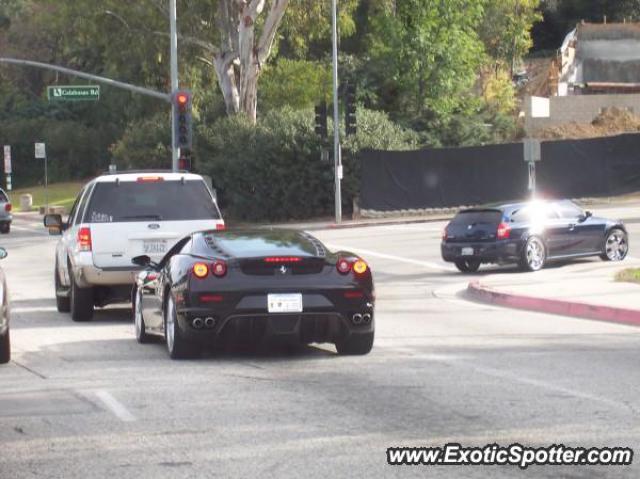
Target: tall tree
(427,53)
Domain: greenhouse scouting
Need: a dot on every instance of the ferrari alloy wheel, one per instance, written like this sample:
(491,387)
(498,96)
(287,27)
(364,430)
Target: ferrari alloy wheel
(138,319)
(616,245)
(533,254)
(177,346)
(355,344)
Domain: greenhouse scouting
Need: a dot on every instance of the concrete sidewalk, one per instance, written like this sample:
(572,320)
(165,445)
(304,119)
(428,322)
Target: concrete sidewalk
(584,290)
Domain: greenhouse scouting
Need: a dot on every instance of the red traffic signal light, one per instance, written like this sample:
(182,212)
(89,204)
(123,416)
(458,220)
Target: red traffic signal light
(182,98)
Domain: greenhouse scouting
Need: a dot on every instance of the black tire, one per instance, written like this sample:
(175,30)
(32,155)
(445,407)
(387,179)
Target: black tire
(617,251)
(138,319)
(468,265)
(178,347)
(6,228)
(63,303)
(5,348)
(356,345)
(81,300)
(534,254)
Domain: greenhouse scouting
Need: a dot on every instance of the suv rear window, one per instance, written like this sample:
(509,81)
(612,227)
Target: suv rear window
(471,217)
(150,201)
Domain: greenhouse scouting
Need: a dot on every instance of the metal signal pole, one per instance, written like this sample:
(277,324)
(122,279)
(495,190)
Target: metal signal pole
(336,115)
(174,80)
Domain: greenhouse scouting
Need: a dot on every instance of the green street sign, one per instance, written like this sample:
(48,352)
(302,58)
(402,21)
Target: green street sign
(74,93)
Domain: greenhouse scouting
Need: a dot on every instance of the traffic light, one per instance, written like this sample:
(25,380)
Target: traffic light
(350,109)
(321,120)
(183,123)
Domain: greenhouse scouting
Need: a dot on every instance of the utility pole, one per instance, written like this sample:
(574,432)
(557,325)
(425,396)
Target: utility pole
(337,159)
(175,154)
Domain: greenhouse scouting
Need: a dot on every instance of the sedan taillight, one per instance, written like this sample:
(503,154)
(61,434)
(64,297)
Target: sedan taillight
(504,231)
(84,239)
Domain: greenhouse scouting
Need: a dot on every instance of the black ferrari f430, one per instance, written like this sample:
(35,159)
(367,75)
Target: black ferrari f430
(253,286)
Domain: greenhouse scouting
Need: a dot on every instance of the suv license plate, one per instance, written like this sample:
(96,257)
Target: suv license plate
(467,252)
(154,247)
(284,303)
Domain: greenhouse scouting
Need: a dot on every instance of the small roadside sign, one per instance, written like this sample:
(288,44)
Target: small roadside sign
(73,93)
(532,150)
(40,151)
(7,159)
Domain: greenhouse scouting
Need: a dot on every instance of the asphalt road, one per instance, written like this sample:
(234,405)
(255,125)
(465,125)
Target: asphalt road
(87,401)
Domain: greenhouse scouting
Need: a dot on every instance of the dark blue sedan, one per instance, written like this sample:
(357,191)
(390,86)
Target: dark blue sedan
(530,234)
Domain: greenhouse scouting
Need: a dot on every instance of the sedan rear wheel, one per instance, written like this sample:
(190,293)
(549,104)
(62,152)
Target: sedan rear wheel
(5,348)
(177,345)
(534,254)
(616,246)
(138,319)
(468,265)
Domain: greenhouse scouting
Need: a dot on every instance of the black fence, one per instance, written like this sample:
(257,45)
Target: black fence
(395,180)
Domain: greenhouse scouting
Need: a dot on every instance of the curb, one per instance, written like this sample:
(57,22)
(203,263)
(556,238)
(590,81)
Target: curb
(574,309)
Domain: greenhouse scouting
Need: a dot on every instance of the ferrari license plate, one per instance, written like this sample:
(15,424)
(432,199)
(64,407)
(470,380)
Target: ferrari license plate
(284,303)
(467,252)
(155,246)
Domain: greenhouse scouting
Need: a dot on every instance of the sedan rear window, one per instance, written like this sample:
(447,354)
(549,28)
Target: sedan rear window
(471,217)
(151,201)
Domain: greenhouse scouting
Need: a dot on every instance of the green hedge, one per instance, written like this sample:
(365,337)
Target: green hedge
(271,171)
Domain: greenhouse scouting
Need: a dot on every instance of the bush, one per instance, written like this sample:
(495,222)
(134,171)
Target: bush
(272,171)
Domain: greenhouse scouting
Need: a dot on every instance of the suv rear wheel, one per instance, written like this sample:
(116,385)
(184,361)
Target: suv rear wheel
(81,300)
(63,302)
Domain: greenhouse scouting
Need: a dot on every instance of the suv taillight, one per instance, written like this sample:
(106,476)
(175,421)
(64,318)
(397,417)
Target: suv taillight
(7,207)
(220,226)
(504,231)
(84,239)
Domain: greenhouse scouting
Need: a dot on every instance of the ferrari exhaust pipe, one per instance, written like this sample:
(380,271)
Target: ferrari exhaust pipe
(366,317)
(209,322)
(197,323)
(357,318)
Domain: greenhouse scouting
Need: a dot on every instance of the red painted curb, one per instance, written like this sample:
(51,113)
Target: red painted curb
(575,309)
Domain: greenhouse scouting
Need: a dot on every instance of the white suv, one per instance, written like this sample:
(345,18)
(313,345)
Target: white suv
(115,218)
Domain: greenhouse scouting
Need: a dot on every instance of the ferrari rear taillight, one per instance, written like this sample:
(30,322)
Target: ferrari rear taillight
(504,231)
(200,270)
(219,268)
(359,267)
(7,207)
(84,239)
(445,233)
(343,266)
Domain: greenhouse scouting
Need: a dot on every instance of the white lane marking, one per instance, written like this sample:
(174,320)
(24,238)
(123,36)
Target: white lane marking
(425,264)
(38,309)
(115,406)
